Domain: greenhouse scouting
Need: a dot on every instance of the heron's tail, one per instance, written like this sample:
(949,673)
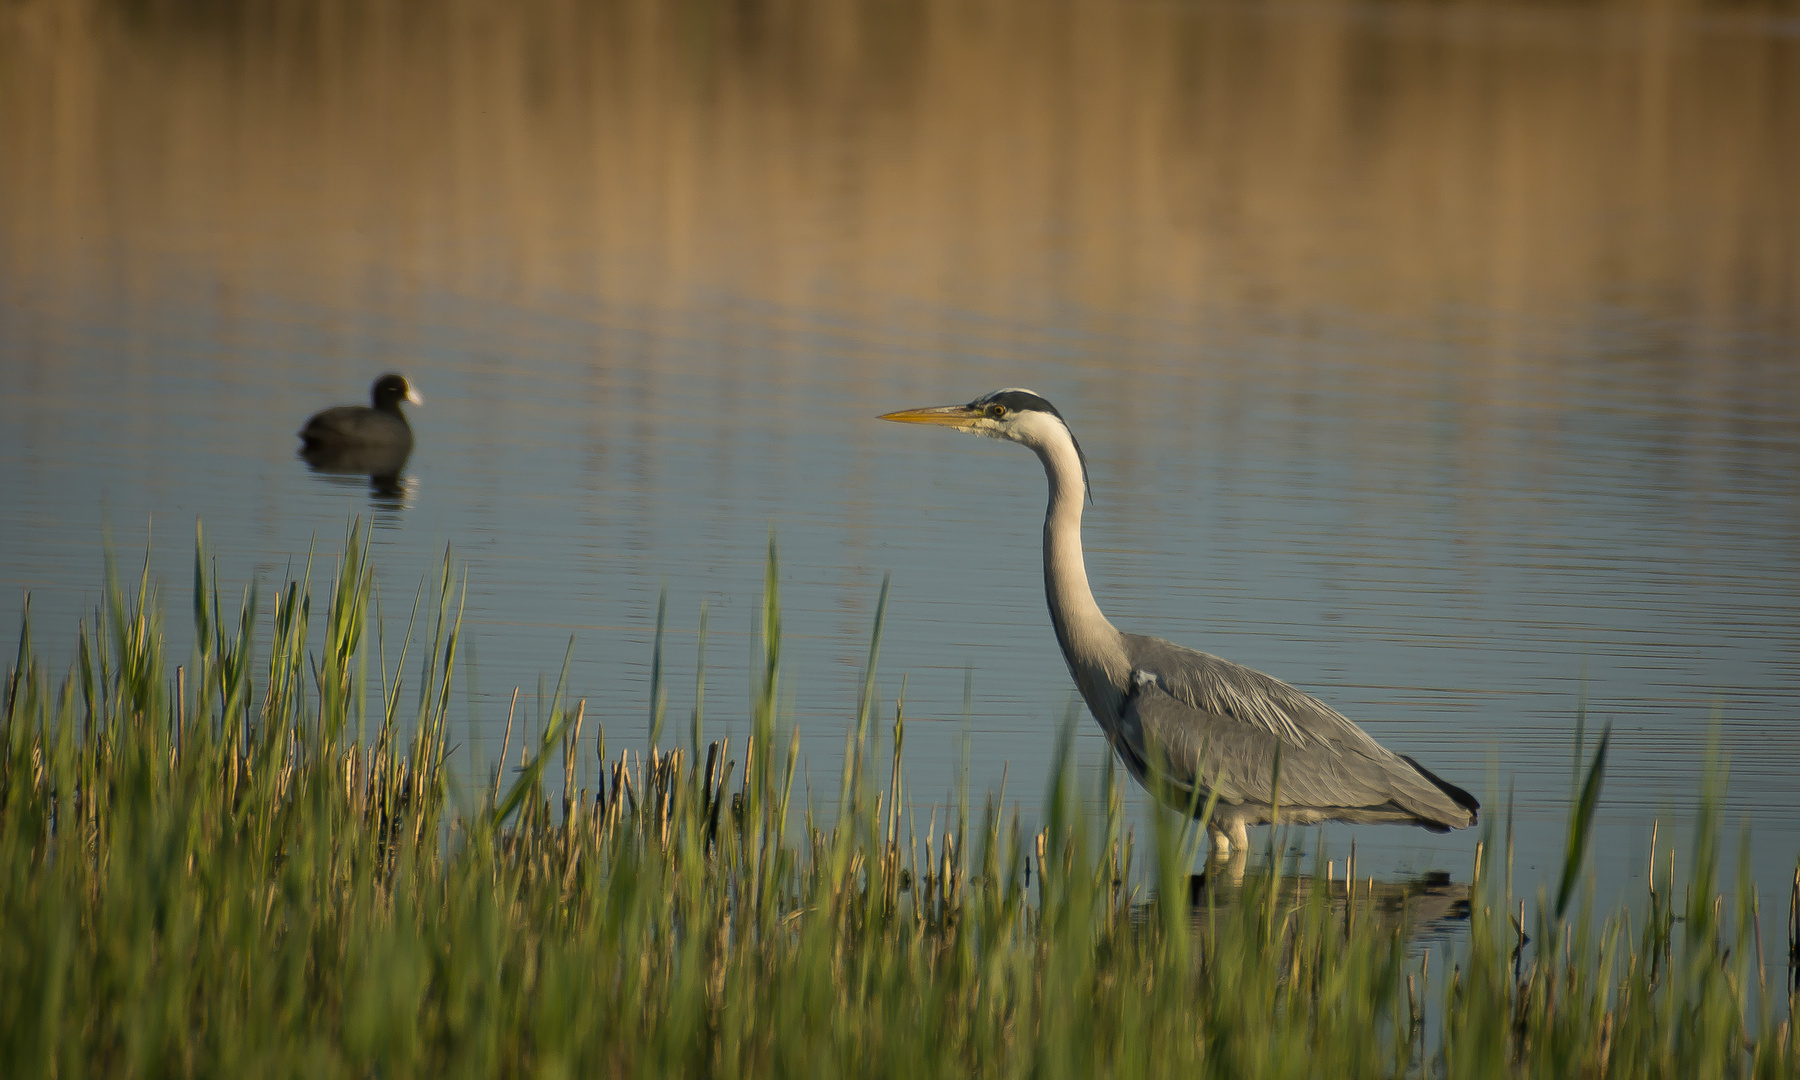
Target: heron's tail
(1456,795)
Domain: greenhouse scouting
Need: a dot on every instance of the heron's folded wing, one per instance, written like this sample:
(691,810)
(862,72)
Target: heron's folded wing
(1231,691)
(1220,752)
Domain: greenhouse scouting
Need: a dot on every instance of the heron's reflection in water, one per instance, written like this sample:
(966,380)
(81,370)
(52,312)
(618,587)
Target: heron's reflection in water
(382,465)
(1430,906)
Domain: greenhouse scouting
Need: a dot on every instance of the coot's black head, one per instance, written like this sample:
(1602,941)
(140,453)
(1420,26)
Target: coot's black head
(390,390)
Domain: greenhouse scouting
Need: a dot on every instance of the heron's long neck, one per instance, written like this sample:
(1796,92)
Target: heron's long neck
(1088,640)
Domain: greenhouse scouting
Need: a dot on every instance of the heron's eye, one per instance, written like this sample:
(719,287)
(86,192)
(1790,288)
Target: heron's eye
(996,411)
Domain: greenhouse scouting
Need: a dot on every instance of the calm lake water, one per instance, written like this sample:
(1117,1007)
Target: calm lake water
(1440,360)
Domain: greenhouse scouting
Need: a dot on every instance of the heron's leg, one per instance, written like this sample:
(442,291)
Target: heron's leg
(1226,833)
(1234,866)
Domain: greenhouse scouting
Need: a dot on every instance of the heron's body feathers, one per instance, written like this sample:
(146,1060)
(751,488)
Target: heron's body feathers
(1217,685)
(1173,743)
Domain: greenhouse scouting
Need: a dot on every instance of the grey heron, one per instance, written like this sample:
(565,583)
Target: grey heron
(1189,725)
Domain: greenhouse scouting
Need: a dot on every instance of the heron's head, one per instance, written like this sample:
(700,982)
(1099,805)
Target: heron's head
(1014,414)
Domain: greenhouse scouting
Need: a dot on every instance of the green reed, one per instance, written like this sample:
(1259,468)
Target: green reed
(210,871)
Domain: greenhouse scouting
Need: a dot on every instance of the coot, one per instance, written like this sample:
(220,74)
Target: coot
(358,426)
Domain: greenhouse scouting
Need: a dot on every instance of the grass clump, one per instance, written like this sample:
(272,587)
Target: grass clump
(229,868)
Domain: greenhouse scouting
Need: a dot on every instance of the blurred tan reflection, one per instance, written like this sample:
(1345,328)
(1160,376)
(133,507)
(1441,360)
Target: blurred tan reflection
(1123,157)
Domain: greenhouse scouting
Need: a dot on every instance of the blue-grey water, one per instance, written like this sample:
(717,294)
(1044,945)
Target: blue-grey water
(1465,404)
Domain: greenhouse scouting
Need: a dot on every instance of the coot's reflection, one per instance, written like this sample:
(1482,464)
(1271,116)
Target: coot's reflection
(383,465)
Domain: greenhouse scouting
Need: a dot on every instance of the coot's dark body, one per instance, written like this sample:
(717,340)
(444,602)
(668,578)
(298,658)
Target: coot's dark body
(352,428)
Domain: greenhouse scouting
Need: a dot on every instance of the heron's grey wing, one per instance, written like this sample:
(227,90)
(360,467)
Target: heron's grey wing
(1215,685)
(1237,759)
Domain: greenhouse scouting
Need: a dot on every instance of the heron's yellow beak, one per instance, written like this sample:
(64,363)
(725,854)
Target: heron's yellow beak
(942,415)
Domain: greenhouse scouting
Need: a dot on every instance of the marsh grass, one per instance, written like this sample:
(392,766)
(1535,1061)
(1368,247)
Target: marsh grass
(229,868)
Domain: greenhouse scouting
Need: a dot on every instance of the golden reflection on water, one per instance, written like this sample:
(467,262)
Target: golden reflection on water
(1126,158)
